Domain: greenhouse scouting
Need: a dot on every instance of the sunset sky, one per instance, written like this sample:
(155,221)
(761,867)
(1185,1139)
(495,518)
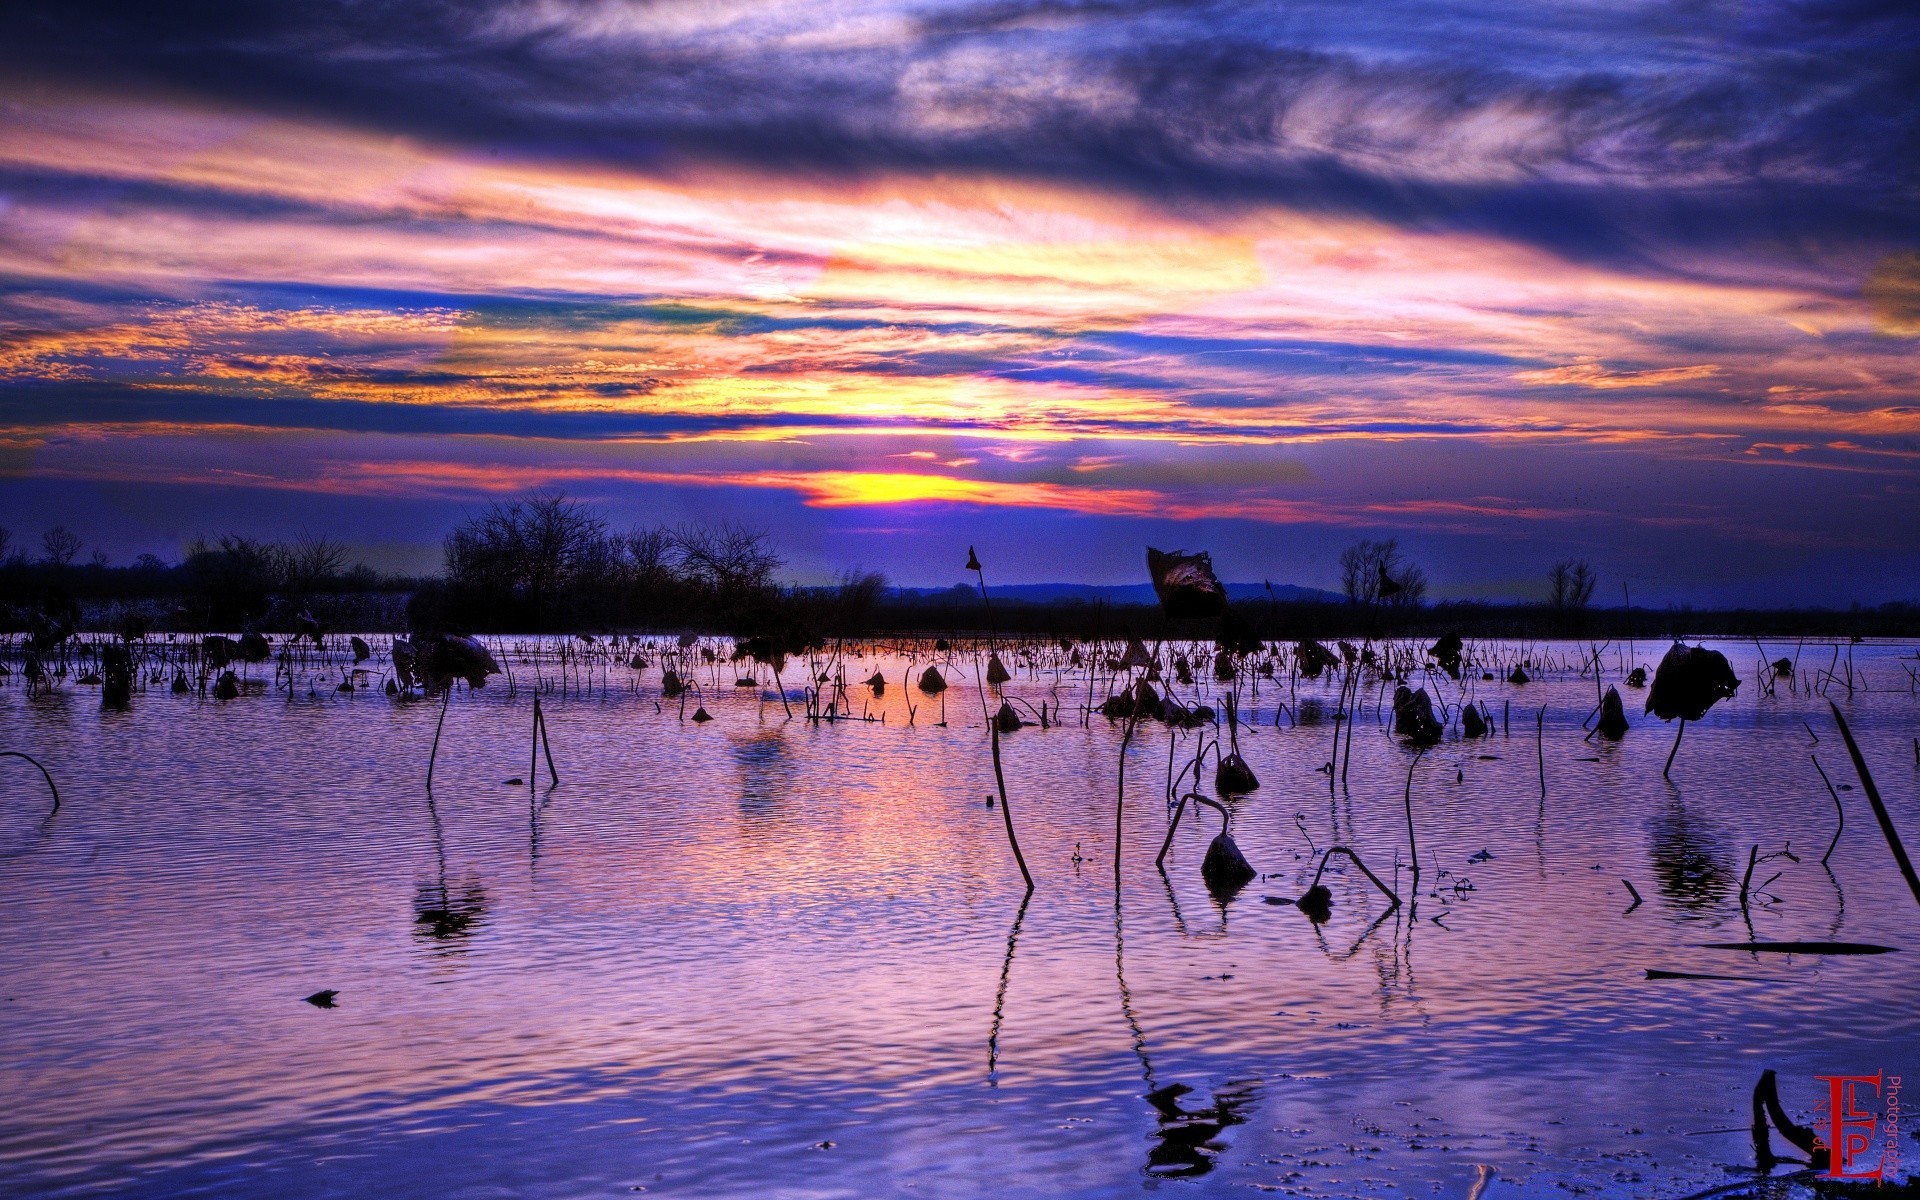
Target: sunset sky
(1634,282)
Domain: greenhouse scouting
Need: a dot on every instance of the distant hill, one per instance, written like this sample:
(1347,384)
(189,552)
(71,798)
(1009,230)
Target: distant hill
(1125,593)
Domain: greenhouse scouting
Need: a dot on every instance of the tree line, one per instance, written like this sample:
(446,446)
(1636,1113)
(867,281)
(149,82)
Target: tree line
(548,562)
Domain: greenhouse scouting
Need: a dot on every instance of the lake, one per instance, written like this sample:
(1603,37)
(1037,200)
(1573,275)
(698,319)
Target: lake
(772,956)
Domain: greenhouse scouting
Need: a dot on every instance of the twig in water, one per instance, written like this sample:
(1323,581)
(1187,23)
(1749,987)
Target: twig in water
(1837,807)
(1000,997)
(1413,848)
(1540,746)
(1006,814)
(1879,806)
(1666,772)
(1333,850)
(436,737)
(43,773)
(1634,892)
(546,743)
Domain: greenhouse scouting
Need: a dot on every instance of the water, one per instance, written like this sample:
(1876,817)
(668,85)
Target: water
(769,957)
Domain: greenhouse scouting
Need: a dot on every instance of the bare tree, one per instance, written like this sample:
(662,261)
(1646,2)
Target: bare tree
(1570,585)
(6,541)
(1365,563)
(731,559)
(860,590)
(649,557)
(61,545)
(534,544)
(311,561)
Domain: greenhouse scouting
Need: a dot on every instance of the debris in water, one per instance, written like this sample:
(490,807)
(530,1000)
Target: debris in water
(227,686)
(1447,652)
(997,672)
(1413,716)
(1802,947)
(323,999)
(1519,676)
(701,715)
(1317,903)
(116,670)
(1689,681)
(1314,658)
(1225,868)
(1233,777)
(218,651)
(1186,585)
(1653,974)
(1613,716)
(404,661)
(932,682)
(361,651)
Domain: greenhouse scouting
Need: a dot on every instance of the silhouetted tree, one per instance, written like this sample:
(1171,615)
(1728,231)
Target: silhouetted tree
(860,591)
(60,544)
(1366,562)
(736,563)
(517,556)
(1570,585)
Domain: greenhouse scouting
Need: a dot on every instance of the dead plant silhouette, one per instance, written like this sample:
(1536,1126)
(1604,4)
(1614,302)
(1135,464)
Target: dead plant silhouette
(1413,716)
(1188,1140)
(116,677)
(1006,815)
(1225,869)
(1689,681)
(1613,716)
(1388,587)
(44,774)
(1312,658)
(1880,813)
(1187,588)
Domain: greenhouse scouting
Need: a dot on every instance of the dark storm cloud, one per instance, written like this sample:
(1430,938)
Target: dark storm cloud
(1614,133)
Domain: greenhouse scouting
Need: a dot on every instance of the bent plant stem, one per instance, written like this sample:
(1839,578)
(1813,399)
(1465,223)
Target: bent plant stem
(1837,808)
(1667,771)
(1160,860)
(434,756)
(1120,798)
(44,774)
(1000,997)
(1879,806)
(1388,892)
(1413,847)
(533,750)
(546,744)
(1540,749)
(1006,814)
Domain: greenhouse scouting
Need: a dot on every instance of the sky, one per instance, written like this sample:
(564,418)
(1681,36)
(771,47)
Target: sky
(1635,283)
